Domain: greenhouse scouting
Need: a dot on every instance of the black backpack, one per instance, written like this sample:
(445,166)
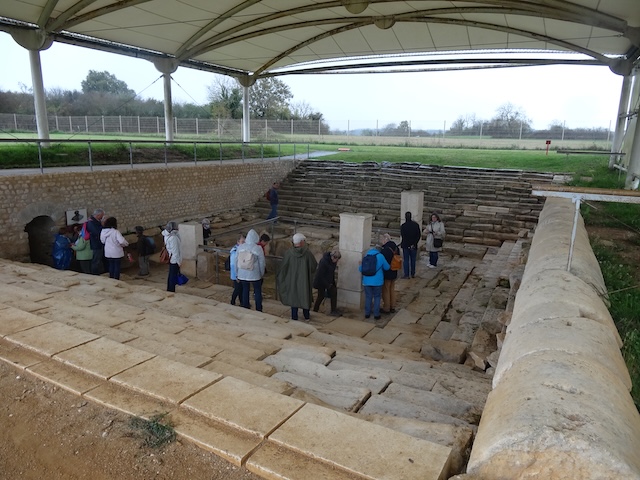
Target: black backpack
(369,265)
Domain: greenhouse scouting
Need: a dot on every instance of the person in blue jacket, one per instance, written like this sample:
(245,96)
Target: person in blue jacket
(373,285)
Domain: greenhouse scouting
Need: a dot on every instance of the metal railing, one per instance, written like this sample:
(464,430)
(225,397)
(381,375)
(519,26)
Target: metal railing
(249,152)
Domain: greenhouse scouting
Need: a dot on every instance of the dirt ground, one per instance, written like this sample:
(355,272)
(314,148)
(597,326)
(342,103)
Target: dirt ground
(46,432)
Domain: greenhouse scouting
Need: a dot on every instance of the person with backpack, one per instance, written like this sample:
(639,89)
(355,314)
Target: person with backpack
(411,235)
(372,268)
(389,250)
(295,277)
(146,248)
(250,266)
(233,271)
(272,198)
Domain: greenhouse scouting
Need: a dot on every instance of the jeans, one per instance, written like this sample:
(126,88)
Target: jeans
(237,292)
(96,261)
(294,313)
(332,293)
(409,261)
(274,211)
(372,295)
(433,258)
(172,279)
(257,293)
(114,268)
(143,263)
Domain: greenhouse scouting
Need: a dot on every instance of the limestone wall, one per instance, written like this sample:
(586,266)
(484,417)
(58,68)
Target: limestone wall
(149,196)
(560,406)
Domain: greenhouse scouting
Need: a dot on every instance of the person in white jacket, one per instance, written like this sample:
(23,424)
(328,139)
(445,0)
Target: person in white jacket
(114,244)
(250,265)
(172,243)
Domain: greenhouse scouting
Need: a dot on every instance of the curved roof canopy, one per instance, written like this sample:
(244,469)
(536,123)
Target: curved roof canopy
(252,38)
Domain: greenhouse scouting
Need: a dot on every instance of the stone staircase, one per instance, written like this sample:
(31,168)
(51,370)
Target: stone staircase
(405,374)
(478,206)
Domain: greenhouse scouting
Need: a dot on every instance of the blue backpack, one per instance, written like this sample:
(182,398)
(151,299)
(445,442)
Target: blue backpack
(369,265)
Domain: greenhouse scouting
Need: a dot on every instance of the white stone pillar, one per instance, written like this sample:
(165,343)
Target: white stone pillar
(168,108)
(355,239)
(412,201)
(190,239)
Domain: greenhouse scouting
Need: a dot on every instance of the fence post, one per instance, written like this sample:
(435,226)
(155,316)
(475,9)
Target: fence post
(520,137)
(40,156)
(86,124)
(70,125)
(120,122)
(197,127)
(15,121)
(90,156)
(139,125)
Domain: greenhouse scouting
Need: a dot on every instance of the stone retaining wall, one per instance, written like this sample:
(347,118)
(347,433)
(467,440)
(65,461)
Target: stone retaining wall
(560,407)
(149,196)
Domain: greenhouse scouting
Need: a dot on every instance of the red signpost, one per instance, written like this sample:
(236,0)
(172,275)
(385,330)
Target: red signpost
(548,143)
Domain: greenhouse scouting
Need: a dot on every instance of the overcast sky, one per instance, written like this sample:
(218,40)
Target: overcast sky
(579,96)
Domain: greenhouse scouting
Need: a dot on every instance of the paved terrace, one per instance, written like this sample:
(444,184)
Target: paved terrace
(334,398)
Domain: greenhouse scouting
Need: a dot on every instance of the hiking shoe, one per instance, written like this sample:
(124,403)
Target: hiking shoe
(367,316)
(432,266)
(335,313)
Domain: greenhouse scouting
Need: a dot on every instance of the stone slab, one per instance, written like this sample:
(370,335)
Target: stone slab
(253,378)
(382,335)
(64,376)
(309,354)
(13,320)
(18,356)
(443,331)
(405,317)
(166,379)
(361,447)
(103,357)
(243,406)
(409,341)
(274,462)
(231,444)
(347,377)
(169,351)
(11,292)
(438,402)
(347,326)
(255,366)
(128,401)
(51,338)
(383,405)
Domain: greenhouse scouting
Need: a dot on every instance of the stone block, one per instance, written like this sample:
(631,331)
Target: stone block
(362,448)
(445,351)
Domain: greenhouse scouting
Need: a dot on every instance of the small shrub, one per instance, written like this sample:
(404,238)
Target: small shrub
(155,433)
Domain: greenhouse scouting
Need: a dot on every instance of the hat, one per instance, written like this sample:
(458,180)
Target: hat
(139,229)
(298,238)
(171,226)
(205,222)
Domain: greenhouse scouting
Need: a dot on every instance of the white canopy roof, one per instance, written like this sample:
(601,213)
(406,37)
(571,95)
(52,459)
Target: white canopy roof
(255,38)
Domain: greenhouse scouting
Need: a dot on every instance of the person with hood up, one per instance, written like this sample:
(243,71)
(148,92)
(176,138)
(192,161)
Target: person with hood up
(295,277)
(325,281)
(114,244)
(172,243)
(250,266)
